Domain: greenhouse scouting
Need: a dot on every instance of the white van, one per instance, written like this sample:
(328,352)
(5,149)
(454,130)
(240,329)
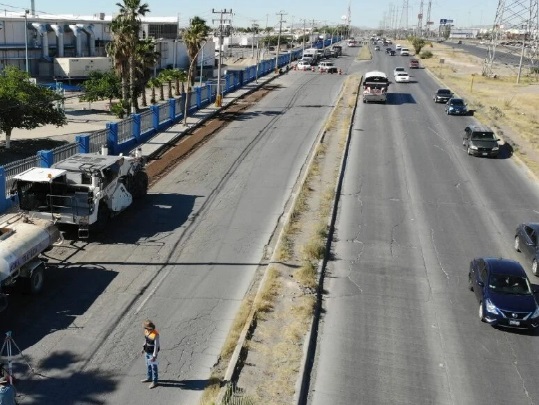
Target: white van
(405,52)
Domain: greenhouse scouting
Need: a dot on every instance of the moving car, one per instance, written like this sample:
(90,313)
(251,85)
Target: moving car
(480,140)
(377,48)
(405,52)
(402,77)
(398,70)
(414,64)
(504,292)
(456,106)
(442,95)
(526,241)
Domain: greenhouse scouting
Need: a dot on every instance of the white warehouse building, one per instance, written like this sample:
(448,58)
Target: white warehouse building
(42,39)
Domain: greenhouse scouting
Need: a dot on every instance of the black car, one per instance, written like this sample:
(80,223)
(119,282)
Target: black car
(480,140)
(456,106)
(442,95)
(388,50)
(505,295)
(526,241)
(392,53)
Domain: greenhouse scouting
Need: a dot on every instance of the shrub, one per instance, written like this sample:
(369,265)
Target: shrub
(426,55)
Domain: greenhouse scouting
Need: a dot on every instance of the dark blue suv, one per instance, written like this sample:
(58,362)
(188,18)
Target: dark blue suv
(504,292)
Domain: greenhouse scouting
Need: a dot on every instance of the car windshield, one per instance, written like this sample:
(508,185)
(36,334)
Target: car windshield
(508,284)
(443,92)
(457,102)
(483,136)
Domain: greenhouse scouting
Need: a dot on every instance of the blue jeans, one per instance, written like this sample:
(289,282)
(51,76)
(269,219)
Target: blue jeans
(152,368)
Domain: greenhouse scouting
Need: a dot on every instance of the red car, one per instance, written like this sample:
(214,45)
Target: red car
(414,64)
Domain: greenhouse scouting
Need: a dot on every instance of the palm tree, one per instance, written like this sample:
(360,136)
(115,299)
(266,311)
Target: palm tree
(154,83)
(167,76)
(195,38)
(180,76)
(146,58)
(162,76)
(125,27)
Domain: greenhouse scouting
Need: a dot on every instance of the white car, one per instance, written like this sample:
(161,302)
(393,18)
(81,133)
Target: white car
(402,77)
(327,67)
(399,69)
(304,65)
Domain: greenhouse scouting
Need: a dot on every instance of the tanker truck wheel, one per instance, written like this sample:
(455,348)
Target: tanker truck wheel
(34,284)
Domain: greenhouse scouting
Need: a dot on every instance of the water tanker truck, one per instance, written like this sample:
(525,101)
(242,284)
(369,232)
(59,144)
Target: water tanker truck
(22,241)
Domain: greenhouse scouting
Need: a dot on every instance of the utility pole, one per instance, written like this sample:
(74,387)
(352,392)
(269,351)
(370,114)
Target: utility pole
(26,39)
(281,21)
(303,45)
(255,29)
(222,21)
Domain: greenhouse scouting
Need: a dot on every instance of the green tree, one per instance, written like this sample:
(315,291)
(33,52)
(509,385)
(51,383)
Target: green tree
(167,76)
(25,105)
(125,28)
(153,84)
(180,76)
(418,44)
(195,38)
(146,58)
(102,86)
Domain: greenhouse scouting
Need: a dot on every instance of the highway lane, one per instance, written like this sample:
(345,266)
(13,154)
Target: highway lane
(399,324)
(184,258)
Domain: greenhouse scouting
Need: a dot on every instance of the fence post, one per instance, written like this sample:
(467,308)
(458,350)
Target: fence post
(84,143)
(112,137)
(5,202)
(136,126)
(172,110)
(46,158)
(155,116)
(198,91)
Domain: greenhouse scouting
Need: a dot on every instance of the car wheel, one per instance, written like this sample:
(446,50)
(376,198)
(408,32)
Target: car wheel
(534,267)
(481,316)
(517,243)
(470,284)
(469,151)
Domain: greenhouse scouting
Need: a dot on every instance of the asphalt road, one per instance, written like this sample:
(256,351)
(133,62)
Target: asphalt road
(399,323)
(184,257)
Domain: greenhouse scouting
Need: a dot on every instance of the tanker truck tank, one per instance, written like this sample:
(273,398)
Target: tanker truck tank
(21,243)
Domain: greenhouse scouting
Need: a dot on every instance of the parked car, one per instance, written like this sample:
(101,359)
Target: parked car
(480,140)
(304,65)
(442,95)
(504,292)
(527,242)
(414,64)
(402,77)
(456,106)
(327,67)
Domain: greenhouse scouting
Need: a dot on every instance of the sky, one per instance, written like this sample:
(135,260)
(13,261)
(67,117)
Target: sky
(364,13)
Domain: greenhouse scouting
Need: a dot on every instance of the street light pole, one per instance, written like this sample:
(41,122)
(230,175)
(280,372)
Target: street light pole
(26,39)
(219,95)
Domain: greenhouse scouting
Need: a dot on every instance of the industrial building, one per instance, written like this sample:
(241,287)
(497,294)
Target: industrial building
(39,42)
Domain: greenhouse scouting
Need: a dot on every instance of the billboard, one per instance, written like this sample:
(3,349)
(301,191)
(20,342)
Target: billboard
(445,21)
